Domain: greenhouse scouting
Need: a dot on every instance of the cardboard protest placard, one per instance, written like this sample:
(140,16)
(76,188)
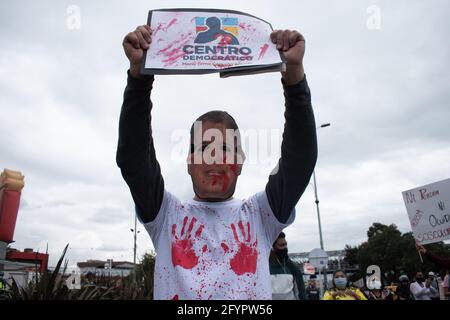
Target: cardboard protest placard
(428,209)
(200,41)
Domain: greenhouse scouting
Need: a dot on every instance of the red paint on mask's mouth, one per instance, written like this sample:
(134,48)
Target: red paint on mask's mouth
(216,175)
(221,175)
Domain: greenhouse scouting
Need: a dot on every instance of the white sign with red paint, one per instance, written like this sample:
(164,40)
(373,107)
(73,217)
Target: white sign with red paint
(197,41)
(308,268)
(428,209)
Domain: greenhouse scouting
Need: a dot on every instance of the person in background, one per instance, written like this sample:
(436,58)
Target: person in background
(403,291)
(312,292)
(286,276)
(379,292)
(341,289)
(446,285)
(435,285)
(422,289)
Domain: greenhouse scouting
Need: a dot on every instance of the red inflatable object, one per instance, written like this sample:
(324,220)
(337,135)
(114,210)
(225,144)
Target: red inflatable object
(9,207)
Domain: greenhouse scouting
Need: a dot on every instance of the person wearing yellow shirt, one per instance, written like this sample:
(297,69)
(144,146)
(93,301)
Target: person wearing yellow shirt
(341,289)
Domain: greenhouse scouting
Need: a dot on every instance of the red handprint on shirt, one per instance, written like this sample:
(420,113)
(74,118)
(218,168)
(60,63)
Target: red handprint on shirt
(246,258)
(183,253)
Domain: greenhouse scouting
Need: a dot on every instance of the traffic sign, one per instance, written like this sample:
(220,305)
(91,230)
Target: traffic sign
(318,258)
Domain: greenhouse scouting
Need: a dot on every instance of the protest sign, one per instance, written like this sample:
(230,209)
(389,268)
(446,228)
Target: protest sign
(308,268)
(199,41)
(429,212)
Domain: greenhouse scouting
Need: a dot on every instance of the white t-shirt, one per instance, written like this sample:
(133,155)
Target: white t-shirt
(214,250)
(421,292)
(283,287)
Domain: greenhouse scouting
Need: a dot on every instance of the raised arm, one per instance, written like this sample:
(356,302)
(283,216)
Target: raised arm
(299,146)
(440,261)
(135,151)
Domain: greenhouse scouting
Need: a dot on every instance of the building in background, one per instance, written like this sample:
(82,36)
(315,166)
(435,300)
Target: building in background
(106,268)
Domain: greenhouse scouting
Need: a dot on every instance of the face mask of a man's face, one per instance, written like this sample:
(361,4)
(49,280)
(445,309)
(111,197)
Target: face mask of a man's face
(282,253)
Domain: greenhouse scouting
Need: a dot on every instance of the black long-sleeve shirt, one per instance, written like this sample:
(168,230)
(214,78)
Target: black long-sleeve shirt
(140,168)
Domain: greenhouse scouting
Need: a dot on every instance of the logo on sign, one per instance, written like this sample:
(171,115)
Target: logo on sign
(217,40)
(213,28)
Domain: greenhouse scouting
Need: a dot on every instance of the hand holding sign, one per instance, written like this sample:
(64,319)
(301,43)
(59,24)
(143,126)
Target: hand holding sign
(421,248)
(135,44)
(292,45)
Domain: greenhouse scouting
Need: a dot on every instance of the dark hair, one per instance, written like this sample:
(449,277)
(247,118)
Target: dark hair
(214,116)
(280,236)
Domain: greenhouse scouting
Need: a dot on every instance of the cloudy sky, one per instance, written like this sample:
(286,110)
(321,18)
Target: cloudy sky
(383,84)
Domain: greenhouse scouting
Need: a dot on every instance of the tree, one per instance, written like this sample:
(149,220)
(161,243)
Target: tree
(145,272)
(393,252)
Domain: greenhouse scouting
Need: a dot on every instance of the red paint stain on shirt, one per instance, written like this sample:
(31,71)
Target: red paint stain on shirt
(183,253)
(225,247)
(175,297)
(246,258)
(199,231)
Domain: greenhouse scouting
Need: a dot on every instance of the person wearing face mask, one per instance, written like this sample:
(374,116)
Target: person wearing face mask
(422,289)
(379,292)
(286,276)
(312,291)
(402,291)
(341,289)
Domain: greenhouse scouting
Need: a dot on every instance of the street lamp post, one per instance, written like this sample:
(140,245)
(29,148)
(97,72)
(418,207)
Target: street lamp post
(324,125)
(135,245)
(318,211)
(135,238)
(317,197)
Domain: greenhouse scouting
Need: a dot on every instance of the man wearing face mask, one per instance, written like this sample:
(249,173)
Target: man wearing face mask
(312,292)
(422,289)
(286,276)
